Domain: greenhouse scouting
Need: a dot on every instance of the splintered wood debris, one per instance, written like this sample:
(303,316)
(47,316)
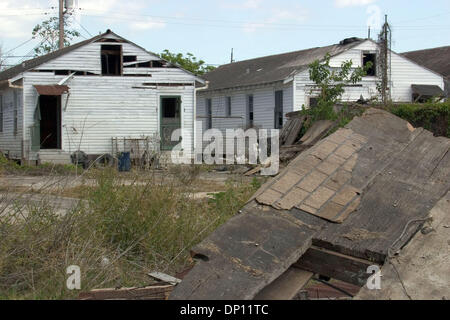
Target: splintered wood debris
(353,195)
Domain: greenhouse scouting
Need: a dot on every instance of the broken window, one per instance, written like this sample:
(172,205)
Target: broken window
(313,102)
(250,114)
(111,60)
(1,113)
(278,109)
(372,58)
(228,107)
(208,113)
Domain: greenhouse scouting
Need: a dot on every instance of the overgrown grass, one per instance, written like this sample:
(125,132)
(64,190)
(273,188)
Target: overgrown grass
(116,235)
(12,167)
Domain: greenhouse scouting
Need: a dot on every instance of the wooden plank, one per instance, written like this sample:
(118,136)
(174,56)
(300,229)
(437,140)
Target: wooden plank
(286,286)
(335,265)
(244,255)
(164,278)
(422,265)
(316,132)
(144,293)
(297,125)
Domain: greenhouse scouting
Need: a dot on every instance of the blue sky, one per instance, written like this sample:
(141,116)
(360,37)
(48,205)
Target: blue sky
(209,29)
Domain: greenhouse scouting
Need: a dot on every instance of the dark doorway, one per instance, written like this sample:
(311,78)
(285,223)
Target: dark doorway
(50,124)
(170,120)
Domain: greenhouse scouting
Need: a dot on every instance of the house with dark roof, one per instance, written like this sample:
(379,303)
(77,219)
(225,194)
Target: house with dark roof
(436,59)
(260,92)
(89,95)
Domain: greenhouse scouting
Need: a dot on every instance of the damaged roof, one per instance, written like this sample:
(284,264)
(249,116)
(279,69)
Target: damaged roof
(32,63)
(272,68)
(361,192)
(436,59)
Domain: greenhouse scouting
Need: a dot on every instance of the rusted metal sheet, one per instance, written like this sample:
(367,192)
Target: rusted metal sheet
(51,90)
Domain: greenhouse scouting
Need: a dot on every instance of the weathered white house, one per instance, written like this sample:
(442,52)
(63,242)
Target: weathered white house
(259,92)
(83,96)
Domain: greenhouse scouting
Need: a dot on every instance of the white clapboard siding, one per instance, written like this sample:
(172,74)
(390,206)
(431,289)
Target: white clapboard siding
(99,108)
(403,74)
(10,142)
(263,109)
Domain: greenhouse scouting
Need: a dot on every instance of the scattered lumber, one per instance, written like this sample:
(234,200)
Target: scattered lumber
(154,292)
(317,131)
(162,277)
(253,171)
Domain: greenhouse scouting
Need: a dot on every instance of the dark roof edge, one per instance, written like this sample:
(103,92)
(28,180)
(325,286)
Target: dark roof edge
(421,50)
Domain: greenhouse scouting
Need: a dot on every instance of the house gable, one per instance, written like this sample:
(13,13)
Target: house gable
(84,58)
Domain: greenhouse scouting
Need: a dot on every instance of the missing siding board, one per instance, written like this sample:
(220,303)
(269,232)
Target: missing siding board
(77,73)
(111,58)
(129,58)
(146,64)
(162,84)
(112,40)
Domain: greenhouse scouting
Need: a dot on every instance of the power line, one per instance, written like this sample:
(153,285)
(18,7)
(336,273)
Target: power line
(83,28)
(20,45)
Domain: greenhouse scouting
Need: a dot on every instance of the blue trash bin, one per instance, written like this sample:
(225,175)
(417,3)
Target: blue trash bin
(124,162)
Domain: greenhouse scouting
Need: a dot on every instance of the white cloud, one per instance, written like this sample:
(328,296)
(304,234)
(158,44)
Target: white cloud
(18,17)
(147,25)
(352,3)
(247,4)
(278,18)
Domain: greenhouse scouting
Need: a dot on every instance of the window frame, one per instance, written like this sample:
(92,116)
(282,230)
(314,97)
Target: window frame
(103,52)
(228,106)
(15,113)
(250,113)
(309,101)
(278,110)
(374,67)
(208,111)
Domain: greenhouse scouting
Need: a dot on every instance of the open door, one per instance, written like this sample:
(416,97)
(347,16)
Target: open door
(50,121)
(170,120)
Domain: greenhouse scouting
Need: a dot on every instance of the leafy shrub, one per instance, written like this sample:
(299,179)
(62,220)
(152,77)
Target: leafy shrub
(431,116)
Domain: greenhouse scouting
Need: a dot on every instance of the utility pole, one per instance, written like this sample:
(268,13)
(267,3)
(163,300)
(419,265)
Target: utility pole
(368,35)
(232,58)
(61,24)
(384,44)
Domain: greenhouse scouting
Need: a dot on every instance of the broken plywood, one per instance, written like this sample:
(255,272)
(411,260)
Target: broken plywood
(422,266)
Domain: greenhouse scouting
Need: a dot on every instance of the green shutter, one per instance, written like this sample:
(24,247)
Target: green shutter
(36,129)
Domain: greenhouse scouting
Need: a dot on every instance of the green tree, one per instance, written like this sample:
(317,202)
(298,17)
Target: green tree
(188,62)
(329,84)
(48,33)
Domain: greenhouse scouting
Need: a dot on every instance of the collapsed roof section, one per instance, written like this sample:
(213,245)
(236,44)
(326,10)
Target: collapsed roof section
(361,193)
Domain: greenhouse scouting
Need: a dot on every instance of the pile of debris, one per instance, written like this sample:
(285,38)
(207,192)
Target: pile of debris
(291,140)
(157,291)
(357,199)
